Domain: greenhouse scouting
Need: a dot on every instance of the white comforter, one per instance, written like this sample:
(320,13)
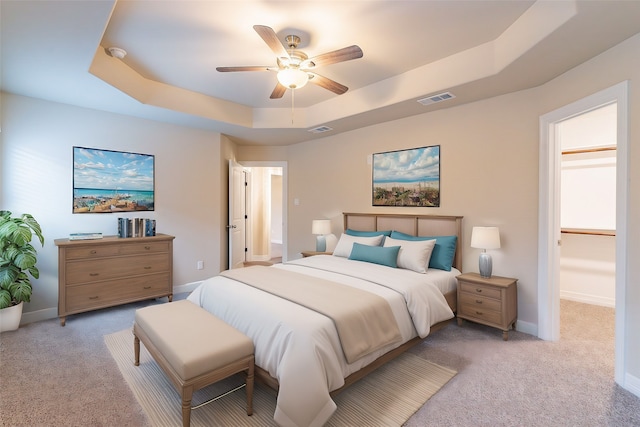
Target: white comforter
(301,348)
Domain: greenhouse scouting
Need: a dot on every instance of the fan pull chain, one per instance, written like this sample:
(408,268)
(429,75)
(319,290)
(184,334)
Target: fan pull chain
(292,103)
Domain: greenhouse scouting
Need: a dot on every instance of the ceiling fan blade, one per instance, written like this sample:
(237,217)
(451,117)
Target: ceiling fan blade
(278,91)
(328,84)
(340,55)
(271,39)
(249,68)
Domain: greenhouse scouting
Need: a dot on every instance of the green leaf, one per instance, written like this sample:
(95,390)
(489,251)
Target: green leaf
(25,260)
(21,291)
(5,299)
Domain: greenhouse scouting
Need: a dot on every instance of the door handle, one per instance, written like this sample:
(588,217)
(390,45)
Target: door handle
(232,226)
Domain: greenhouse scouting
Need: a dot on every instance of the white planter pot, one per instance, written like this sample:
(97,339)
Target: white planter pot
(10,317)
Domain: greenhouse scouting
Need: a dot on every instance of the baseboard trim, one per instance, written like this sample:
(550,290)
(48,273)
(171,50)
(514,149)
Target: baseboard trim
(632,384)
(52,313)
(38,315)
(527,328)
(588,299)
(189,287)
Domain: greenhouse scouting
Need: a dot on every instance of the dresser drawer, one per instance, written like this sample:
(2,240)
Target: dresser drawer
(480,302)
(111,268)
(103,294)
(482,290)
(100,251)
(487,316)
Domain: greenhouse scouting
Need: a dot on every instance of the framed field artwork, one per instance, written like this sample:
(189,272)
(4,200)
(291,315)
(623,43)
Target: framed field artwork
(407,177)
(106,181)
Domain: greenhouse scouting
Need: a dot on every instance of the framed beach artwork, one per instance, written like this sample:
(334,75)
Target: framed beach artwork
(407,177)
(106,181)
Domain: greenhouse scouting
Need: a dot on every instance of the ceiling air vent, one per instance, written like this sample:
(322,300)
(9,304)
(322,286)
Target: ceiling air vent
(436,98)
(320,129)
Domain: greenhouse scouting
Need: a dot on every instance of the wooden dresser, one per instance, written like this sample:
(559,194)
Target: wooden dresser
(491,301)
(94,274)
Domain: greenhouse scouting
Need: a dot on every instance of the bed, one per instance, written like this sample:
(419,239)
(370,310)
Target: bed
(308,354)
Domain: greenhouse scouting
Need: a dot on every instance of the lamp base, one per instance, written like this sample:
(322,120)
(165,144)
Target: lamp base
(321,243)
(486,265)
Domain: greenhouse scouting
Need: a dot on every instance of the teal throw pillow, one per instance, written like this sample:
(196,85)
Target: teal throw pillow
(443,252)
(376,254)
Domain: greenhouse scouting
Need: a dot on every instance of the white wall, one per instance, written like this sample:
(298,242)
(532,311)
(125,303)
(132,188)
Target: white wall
(588,269)
(36,177)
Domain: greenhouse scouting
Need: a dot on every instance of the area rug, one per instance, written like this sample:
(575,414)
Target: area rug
(386,397)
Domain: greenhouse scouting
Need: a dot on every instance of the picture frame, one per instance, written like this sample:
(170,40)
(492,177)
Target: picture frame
(409,177)
(109,181)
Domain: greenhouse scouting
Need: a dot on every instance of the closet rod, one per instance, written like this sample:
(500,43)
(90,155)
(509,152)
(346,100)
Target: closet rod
(588,150)
(592,232)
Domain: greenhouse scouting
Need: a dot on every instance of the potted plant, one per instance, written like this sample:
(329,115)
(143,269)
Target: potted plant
(17,265)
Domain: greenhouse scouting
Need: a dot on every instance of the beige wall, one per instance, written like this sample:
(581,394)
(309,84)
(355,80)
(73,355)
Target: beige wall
(37,173)
(489,173)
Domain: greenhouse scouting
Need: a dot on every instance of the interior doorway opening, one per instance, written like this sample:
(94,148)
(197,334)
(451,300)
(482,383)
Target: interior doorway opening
(266,209)
(549,226)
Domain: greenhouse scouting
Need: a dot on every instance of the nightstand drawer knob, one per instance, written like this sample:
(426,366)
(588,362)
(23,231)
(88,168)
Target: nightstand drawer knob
(478,290)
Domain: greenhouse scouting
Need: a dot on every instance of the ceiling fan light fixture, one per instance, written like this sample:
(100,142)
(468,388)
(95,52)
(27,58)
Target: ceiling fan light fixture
(292,78)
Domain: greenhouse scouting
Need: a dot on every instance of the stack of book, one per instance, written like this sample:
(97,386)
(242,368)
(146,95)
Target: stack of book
(136,227)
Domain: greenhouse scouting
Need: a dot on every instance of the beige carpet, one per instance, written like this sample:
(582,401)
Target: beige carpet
(387,397)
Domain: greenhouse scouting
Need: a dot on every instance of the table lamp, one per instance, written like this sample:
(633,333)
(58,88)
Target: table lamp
(485,238)
(321,227)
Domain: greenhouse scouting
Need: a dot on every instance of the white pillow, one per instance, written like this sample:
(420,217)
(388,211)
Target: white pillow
(414,254)
(345,244)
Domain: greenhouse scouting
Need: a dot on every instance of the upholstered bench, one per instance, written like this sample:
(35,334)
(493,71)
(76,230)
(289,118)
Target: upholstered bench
(194,348)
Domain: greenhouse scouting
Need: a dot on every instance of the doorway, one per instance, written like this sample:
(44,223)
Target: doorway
(266,211)
(549,227)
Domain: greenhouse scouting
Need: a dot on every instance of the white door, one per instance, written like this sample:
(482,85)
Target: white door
(237,215)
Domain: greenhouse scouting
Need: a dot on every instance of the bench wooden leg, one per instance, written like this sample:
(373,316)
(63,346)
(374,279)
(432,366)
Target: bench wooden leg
(249,386)
(187,394)
(136,350)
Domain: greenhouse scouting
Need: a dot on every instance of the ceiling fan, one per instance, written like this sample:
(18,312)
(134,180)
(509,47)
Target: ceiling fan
(295,68)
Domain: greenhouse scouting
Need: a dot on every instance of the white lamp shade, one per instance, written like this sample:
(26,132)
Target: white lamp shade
(485,238)
(293,78)
(321,226)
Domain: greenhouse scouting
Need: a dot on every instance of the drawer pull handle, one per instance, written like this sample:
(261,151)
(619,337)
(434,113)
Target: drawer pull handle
(93,252)
(478,290)
(479,313)
(147,287)
(147,267)
(147,247)
(478,301)
(94,297)
(94,274)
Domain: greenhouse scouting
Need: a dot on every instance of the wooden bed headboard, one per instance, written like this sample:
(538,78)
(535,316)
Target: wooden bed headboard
(415,225)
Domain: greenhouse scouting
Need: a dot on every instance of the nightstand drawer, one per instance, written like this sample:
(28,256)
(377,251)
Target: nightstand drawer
(485,291)
(480,302)
(489,316)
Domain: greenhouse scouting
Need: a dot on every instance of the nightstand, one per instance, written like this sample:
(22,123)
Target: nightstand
(312,253)
(491,301)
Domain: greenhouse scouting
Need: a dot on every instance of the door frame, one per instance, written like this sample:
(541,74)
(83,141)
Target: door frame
(549,217)
(283,165)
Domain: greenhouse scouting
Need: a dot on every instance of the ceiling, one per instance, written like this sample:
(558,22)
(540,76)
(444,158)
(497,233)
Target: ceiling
(57,51)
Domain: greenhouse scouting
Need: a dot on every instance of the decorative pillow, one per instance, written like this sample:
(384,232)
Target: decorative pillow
(351,232)
(376,254)
(414,254)
(343,248)
(443,251)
